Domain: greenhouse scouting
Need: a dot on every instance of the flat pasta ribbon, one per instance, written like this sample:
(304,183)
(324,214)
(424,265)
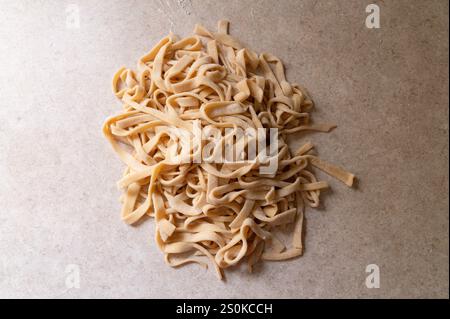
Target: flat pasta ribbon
(221,213)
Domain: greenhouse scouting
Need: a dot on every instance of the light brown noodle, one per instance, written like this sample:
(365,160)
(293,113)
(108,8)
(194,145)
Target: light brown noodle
(228,212)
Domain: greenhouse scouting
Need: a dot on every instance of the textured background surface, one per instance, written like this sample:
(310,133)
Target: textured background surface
(386,88)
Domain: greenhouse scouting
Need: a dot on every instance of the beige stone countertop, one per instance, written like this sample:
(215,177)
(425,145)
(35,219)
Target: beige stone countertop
(386,88)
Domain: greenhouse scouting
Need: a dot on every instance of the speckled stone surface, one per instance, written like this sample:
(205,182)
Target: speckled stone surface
(386,88)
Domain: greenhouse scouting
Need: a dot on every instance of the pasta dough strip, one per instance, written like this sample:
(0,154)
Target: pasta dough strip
(221,213)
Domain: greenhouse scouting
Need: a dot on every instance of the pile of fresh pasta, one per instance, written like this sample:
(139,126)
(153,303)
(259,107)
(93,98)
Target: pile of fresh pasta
(220,214)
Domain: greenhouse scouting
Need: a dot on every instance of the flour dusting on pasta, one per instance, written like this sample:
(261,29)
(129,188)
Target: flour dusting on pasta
(210,213)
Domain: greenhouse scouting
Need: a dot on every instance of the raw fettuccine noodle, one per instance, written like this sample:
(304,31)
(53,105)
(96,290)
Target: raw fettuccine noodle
(212,213)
